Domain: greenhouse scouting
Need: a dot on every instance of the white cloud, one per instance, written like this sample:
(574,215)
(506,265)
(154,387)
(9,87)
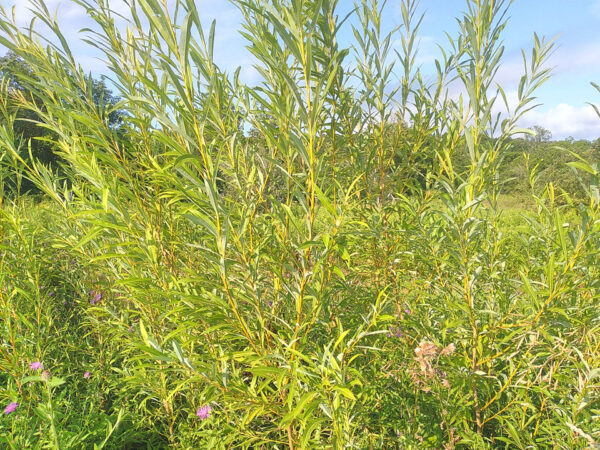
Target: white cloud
(510,72)
(565,60)
(249,74)
(570,59)
(566,120)
(563,120)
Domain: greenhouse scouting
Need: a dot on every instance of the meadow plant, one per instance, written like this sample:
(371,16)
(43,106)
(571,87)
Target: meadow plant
(293,264)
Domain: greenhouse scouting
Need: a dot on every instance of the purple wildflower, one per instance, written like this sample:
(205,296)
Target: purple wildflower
(203,412)
(96,298)
(86,374)
(397,333)
(11,408)
(130,329)
(50,294)
(407,311)
(35,365)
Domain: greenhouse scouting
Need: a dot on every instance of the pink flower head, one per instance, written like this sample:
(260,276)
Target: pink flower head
(203,412)
(96,297)
(11,407)
(35,365)
(86,374)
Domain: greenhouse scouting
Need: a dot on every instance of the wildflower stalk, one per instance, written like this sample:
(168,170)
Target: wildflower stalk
(50,407)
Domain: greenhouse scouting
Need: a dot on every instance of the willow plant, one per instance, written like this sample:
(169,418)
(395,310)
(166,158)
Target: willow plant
(298,264)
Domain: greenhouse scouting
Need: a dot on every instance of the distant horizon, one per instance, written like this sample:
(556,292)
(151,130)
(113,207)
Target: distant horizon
(575,62)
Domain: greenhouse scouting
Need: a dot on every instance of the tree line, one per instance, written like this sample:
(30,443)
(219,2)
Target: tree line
(536,152)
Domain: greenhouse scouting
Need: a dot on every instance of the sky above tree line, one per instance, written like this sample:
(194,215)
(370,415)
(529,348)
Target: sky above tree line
(573,23)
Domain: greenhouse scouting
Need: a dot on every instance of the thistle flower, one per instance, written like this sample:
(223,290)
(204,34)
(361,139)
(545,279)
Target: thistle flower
(11,408)
(203,412)
(36,365)
(86,374)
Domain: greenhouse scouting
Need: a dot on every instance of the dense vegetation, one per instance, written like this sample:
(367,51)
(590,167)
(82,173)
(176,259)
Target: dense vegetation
(318,261)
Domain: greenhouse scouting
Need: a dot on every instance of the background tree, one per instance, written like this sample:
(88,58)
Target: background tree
(26,129)
(541,134)
(31,136)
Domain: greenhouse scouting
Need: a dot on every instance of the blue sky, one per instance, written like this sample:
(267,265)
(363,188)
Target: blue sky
(574,24)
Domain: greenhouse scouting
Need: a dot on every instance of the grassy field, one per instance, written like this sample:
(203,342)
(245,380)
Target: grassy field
(95,383)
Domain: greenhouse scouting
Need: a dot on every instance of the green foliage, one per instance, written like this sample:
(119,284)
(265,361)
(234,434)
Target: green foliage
(550,160)
(22,114)
(333,280)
